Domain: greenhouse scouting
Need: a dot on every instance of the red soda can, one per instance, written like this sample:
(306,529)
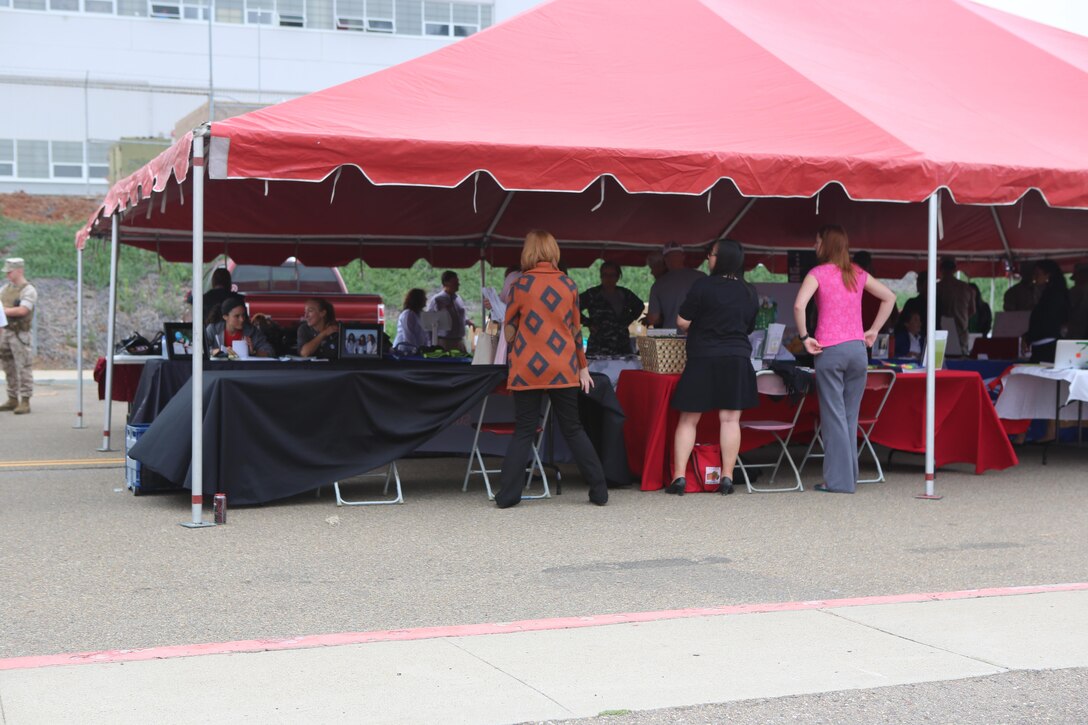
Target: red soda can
(220,508)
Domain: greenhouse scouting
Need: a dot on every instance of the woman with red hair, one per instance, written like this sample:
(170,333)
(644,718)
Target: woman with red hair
(838,348)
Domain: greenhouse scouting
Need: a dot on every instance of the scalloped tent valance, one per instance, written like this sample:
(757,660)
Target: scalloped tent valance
(619,128)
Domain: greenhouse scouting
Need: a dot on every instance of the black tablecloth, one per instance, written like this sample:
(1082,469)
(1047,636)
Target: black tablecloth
(270,434)
(274,433)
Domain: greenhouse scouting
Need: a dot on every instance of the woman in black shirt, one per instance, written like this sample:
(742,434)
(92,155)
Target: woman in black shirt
(718,314)
(1051,314)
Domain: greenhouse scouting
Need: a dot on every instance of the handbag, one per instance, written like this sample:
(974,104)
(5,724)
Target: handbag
(485,349)
(705,467)
(135,344)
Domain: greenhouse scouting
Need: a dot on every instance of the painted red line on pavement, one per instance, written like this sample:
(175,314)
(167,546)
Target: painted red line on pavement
(528,625)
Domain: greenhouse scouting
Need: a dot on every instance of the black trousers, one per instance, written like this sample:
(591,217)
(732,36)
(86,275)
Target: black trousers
(527,405)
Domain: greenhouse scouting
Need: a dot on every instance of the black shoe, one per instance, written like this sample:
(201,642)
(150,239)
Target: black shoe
(726,486)
(505,504)
(677,486)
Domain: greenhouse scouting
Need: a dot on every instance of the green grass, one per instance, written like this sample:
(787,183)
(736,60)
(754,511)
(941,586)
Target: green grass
(50,252)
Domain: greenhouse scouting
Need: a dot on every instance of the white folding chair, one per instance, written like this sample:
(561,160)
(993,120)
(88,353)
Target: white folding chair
(770,384)
(476,465)
(878,386)
(391,475)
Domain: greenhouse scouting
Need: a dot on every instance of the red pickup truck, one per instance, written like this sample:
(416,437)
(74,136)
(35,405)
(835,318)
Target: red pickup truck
(280,292)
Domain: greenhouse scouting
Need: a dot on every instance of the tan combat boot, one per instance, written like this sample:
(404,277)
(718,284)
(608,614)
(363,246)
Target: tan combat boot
(23,406)
(12,404)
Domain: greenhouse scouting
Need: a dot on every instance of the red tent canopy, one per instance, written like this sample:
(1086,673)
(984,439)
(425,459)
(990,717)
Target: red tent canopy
(621,127)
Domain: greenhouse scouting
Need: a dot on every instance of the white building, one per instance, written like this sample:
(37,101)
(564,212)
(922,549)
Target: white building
(77,75)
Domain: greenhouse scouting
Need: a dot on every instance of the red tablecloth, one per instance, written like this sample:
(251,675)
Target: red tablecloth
(967,427)
(650,424)
(126,378)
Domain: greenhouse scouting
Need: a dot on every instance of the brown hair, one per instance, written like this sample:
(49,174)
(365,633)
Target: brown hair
(415,300)
(540,246)
(835,249)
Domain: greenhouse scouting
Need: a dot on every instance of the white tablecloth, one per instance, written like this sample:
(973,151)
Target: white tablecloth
(1032,392)
(612,367)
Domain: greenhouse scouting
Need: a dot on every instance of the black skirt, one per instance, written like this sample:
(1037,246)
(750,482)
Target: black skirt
(716,383)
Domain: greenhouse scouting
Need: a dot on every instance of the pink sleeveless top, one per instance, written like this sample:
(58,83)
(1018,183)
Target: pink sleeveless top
(839,309)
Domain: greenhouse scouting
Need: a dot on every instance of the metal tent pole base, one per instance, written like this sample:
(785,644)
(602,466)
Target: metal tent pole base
(929,497)
(198,525)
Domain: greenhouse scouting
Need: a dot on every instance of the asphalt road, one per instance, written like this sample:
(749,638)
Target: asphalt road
(1020,698)
(87,566)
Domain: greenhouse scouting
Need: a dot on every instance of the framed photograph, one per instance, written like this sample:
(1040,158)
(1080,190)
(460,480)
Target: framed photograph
(360,341)
(177,340)
(882,347)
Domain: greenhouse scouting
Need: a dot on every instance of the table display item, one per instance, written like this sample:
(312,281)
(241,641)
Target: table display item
(178,340)
(220,508)
(137,478)
(666,355)
(360,341)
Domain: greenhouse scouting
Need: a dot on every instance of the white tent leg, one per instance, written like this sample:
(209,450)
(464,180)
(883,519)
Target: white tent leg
(197,430)
(931,353)
(111,331)
(79,340)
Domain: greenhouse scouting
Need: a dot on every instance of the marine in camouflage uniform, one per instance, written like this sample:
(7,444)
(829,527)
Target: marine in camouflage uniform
(19,299)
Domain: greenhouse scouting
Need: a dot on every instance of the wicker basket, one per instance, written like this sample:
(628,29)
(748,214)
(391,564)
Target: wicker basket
(666,355)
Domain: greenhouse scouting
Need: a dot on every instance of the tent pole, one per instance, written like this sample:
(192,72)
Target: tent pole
(111,331)
(197,381)
(79,339)
(1001,232)
(736,220)
(930,351)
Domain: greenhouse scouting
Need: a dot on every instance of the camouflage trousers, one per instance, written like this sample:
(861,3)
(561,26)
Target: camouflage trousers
(18,363)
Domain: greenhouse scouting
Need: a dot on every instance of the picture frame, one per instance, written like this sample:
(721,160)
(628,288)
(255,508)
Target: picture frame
(361,341)
(882,347)
(177,340)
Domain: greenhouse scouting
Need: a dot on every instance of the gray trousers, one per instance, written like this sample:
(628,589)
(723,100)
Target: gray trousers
(840,381)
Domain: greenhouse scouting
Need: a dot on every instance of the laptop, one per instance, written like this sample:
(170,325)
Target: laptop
(1071,355)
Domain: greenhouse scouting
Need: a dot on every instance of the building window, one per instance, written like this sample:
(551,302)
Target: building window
(32,159)
(292,13)
(98,159)
(67,159)
(28,4)
(260,12)
(69,6)
(98,6)
(164,10)
(132,8)
(229,11)
(7,157)
(371,16)
(457,19)
(380,17)
(194,9)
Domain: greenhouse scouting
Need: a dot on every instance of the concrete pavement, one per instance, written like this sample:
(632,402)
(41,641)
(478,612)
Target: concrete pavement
(565,673)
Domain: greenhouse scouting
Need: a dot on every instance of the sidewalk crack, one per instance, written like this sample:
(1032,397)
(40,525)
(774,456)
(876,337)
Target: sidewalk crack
(493,666)
(903,637)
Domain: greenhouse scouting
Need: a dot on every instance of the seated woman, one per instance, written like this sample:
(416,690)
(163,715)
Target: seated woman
(609,309)
(410,324)
(318,335)
(233,327)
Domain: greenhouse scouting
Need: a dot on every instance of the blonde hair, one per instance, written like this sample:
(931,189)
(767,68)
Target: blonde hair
(540,246)
(835,249)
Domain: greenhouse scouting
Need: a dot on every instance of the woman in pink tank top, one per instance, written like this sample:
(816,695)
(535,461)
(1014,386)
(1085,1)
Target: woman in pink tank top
(838,348)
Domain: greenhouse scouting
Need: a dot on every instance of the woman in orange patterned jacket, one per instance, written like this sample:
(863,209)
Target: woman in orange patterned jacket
(544,331)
